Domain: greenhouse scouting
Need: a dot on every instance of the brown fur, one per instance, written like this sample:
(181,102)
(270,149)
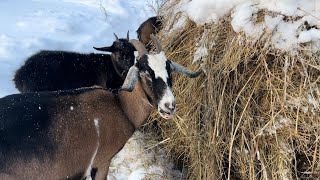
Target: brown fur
(137,109)
(77,137)
(150,26)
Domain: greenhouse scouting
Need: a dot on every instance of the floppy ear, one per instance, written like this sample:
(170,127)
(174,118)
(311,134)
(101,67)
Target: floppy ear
(131,79)
(183,70)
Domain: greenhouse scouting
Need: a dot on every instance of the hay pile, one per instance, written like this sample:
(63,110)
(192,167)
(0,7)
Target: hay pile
(253,115)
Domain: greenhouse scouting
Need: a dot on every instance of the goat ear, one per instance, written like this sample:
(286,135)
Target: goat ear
(131,79)
(107,48)
(183,70)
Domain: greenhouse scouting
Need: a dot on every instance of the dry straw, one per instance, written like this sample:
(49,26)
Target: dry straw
(253,115)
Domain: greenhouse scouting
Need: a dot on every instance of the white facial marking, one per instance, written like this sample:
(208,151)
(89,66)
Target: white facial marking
(157,62)
(167,97)
(96,124)
(136,55)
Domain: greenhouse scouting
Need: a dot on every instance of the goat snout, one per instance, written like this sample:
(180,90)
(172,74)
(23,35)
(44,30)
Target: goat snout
(168,110)
(171,106)
(167,104)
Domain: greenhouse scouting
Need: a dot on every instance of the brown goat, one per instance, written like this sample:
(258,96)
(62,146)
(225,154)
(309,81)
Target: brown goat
(151,26)
(70,134)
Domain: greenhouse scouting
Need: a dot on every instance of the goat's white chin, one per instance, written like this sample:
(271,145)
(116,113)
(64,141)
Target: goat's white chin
(166,116)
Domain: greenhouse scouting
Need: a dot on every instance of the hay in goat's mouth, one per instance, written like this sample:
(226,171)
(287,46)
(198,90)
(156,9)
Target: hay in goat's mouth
(254,113)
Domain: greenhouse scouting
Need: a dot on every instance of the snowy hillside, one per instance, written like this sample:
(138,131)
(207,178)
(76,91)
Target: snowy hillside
(62,25)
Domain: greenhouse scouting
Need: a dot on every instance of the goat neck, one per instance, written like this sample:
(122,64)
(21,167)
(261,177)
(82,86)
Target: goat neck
(135,105)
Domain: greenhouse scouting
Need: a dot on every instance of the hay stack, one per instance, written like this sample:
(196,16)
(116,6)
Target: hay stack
(253,115)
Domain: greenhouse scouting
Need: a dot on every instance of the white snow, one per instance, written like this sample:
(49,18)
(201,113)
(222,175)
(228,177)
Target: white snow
(278,124)
(313,101)
(200,54)
(243,20)
(285,7)
(286,24)
(272,22)
(309,102)
(207,11)
(135,161)
(179,24)
(180,18)
(307,36)
(286,35)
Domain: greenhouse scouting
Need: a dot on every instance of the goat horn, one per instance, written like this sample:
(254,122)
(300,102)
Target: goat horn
(183,70)
(156,43)
(116,36)
(107,48)
(128,35)
(131,79)
(139,47)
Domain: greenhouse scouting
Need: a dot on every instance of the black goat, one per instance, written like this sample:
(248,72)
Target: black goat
(62,70)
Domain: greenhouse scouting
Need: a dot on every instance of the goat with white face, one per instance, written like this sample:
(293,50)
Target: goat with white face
(154,70)
(68,134)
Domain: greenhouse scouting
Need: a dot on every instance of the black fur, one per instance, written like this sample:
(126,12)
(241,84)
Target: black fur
(26,122)
(24,137)
(62,70)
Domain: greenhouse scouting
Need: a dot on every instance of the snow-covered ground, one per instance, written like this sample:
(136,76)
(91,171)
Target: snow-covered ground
(76,25)
(141,160)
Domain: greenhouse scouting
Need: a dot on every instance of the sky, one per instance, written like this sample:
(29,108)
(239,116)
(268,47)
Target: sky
(31,25)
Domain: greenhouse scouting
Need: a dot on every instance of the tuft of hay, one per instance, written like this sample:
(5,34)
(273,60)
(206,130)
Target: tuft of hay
(255,113)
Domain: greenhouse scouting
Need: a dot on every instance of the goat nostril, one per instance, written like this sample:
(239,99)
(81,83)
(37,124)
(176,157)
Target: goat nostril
(174,104)
(170,106)
(167,105)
